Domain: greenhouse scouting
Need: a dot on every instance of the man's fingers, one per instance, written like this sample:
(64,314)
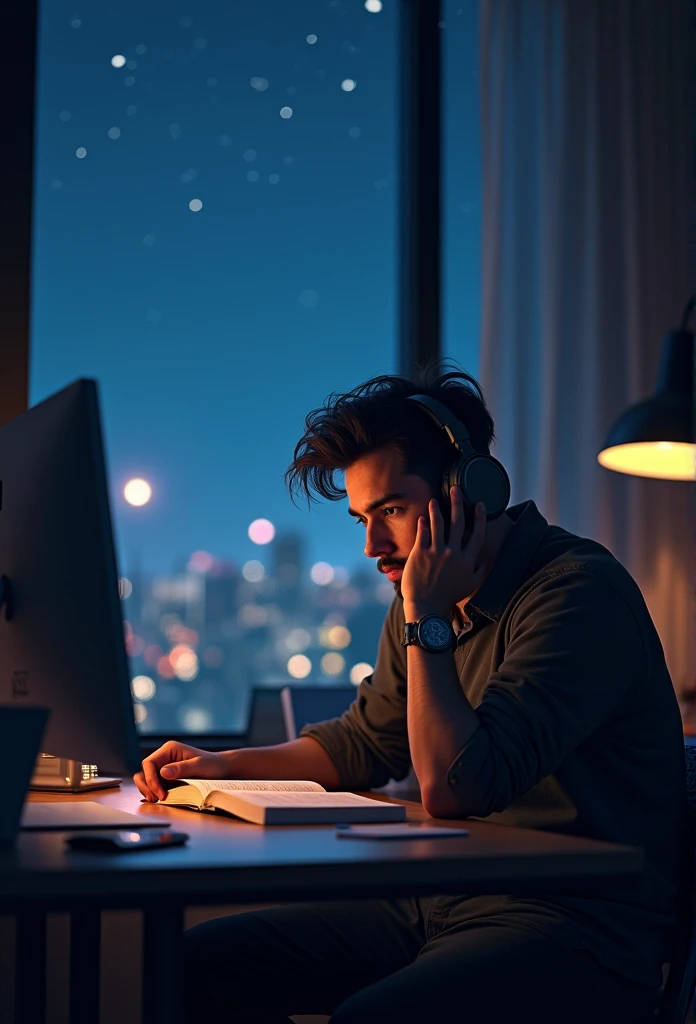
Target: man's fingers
(478,534)
(437,527)
(151,766)
(457,518)
(139,780)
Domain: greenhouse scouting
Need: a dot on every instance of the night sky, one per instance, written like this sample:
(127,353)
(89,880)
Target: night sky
(213,331)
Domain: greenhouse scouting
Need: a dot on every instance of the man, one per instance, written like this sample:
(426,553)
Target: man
(549,706)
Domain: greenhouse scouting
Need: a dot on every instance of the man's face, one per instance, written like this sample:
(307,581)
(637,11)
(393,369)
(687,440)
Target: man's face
(387,503)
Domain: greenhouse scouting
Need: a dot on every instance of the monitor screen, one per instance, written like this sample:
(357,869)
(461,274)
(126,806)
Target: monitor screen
(61,630)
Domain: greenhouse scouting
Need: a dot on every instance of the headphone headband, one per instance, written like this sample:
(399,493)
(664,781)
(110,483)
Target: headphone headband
(454,428)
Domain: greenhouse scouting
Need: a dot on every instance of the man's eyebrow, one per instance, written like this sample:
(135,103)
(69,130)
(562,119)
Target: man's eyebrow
(384,500)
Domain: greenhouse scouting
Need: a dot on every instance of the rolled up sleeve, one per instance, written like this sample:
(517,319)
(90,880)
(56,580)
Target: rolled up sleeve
(368,744)
(564,672)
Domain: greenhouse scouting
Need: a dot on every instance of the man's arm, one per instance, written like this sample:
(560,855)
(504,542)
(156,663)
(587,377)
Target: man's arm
(575,650)
(303,759)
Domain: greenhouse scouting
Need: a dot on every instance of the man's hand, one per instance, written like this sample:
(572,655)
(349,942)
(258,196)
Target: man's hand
(438,575)
(175,760)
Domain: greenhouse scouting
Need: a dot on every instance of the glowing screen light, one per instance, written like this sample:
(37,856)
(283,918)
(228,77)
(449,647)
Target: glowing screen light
(137,492)
(261,531)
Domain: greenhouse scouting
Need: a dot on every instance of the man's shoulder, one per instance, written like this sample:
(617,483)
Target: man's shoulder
(578,565)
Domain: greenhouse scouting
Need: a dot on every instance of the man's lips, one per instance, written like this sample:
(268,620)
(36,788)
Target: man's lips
(393,574)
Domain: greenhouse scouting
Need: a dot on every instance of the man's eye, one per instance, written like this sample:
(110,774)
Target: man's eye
(391,508)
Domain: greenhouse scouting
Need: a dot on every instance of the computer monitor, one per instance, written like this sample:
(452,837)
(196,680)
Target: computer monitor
(61,631)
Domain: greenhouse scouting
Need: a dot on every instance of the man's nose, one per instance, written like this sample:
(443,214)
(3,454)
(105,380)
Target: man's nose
(377,542)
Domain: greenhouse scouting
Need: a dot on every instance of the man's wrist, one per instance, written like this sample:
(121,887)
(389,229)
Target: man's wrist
(415,612)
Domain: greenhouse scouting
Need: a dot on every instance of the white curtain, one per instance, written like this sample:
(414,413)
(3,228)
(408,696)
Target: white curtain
(587,238)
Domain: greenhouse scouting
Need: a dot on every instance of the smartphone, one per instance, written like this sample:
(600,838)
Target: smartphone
(126,842)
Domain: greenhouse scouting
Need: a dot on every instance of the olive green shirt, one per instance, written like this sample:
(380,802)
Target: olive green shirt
(580,731)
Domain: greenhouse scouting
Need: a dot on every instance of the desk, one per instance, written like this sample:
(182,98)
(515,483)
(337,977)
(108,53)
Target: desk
(229,861)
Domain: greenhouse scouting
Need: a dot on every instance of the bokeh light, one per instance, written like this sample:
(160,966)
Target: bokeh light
(286,112)
(333,664)
(118,60)
(296,640)
(253,571)
(80,152)
(348,84)
(261,531)
(373,6)
(164,668)
(195,205)
(335,636)
(201,561)
(311,39)
(322,573)
(143,687)
(139,713)
(125,588)
(299,666)
(195,719)
(137,492)
(360,671)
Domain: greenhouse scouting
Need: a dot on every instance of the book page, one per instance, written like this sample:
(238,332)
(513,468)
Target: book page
(313,799)
(207,786)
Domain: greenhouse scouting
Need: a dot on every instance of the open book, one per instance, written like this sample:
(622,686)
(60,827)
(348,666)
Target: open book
(280,803)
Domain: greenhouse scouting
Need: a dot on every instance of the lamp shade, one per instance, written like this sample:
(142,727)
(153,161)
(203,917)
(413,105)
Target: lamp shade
(656,438)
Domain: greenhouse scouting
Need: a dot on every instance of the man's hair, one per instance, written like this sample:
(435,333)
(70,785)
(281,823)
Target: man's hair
(376,415)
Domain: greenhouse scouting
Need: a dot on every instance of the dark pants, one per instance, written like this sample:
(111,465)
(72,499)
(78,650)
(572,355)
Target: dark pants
(437,959)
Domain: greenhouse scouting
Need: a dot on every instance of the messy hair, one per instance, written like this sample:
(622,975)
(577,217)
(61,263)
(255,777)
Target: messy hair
(376,415)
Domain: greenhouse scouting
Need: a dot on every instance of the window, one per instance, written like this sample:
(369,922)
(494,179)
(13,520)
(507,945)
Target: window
(215,243)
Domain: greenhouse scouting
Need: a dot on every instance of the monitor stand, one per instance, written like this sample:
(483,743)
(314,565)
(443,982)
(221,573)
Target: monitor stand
(63,775)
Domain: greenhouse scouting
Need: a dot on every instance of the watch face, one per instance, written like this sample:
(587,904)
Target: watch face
(435,633)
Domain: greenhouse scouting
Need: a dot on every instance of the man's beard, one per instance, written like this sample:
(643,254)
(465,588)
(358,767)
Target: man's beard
(385,567)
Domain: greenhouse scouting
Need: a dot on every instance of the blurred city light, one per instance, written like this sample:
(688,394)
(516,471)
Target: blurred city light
(322,573)
(297,640)
(201,561)
(333,664)
(195,719)
(286,112)
(261,531)
(253,571)
(359,672)
(373,6)
(336,636)
(125,588)
(143,687)
(118,60)
(195,205)
(311,39)
(135,645)
(299,666)
(139,713)
(137,492)
(185,664)
(164,668)
(348,84)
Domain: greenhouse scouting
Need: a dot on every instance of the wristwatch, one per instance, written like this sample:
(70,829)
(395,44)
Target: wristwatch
(432,633)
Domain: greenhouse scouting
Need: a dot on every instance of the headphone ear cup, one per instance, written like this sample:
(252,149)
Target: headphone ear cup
(483,478)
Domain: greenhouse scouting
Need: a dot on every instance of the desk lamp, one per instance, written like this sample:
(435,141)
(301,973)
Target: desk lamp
(656,438)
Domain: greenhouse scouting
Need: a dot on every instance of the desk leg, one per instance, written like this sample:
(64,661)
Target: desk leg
(30,969)
(85,946)
(162,931)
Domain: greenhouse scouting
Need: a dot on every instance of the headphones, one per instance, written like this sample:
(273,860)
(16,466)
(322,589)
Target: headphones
(481,477)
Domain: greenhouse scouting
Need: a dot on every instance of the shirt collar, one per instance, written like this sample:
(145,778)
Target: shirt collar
(494,594)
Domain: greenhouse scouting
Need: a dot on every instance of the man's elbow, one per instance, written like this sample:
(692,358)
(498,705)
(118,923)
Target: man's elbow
(440,802)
